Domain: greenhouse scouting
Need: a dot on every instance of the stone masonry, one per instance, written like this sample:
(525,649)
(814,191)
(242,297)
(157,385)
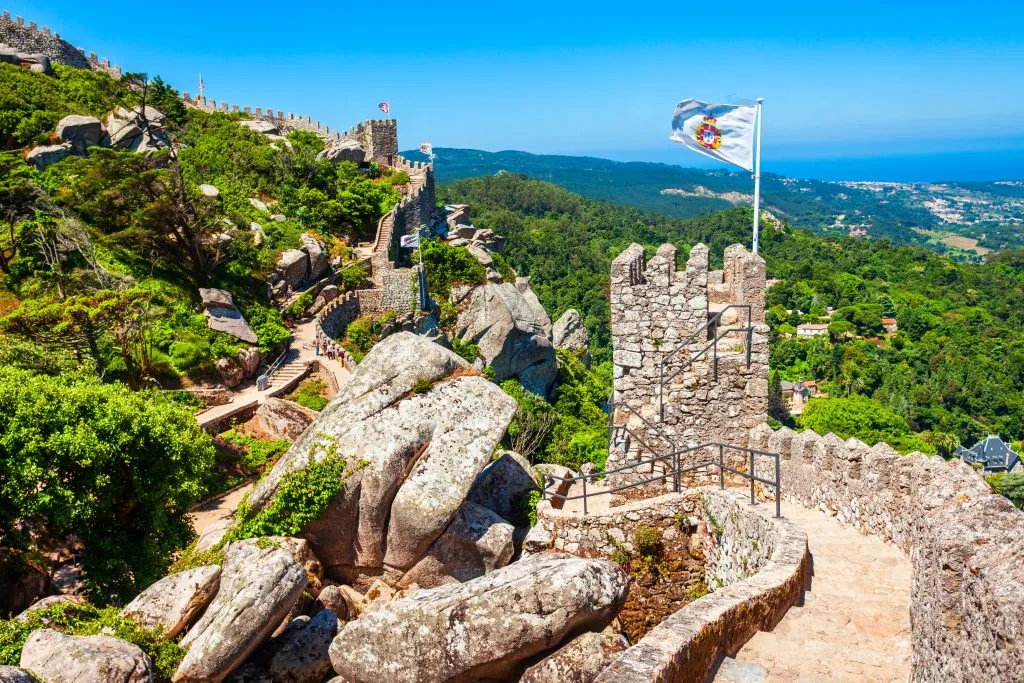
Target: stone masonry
(655,308)
(966,609)
(28,37)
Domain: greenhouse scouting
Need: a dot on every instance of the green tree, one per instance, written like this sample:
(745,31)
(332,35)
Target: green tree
(118,469)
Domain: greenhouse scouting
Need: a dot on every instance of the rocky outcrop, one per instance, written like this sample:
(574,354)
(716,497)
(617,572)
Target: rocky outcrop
(280,419)
(229,372)
(319,263)
(140,130)
(50,601)
(80,131)
(476,543)
(44,155)
(264,127)
(343,150)
(292,266)
(12,674)
(483,628)
(33,61)
(412,457)
(301,653)
(569,333)
(174,601)
(511,330)
(503,484)
(578,662)
(58,658)
(222,315)
(257,589)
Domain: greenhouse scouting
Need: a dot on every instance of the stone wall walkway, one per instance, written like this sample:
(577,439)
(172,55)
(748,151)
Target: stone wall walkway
(854,624)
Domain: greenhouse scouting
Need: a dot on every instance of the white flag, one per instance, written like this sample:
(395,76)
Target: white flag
(410,240)
(721,131)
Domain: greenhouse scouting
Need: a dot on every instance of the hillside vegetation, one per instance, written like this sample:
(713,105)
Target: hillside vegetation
(939,216)
(954,372)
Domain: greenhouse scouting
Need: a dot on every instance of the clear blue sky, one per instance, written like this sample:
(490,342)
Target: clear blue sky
(841,79)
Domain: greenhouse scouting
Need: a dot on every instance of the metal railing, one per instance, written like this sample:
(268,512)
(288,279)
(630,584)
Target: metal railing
(263,381)
(711,325)
(669,462)
(675,472)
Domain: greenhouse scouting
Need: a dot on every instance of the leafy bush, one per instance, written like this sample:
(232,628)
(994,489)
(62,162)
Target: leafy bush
(1009,484)
(311,394)
(88,620)
(466,349)
(299,307)
(860,417)
(447,265)
(269,328)
(302,496)
(119,469)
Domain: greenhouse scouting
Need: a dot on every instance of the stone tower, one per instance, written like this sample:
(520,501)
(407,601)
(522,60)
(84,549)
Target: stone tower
(657,315)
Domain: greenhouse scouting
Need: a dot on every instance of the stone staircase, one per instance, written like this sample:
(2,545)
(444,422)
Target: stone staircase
(854,624)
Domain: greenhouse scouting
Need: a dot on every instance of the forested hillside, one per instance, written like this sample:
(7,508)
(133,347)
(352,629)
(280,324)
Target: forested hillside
(954,371)
(962,220)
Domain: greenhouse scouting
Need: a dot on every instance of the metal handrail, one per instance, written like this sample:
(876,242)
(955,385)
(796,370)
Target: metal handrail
(712,323)
(550,479)
(274,367)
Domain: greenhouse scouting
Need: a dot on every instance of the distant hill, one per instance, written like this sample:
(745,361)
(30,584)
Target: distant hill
(962,220)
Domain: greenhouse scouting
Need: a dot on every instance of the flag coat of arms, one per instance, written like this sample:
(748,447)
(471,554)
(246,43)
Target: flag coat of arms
(384,107)
(720,131)
(410,240)
(426,148)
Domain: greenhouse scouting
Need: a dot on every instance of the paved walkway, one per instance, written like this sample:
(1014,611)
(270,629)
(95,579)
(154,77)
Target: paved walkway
(855,621)
(302,352)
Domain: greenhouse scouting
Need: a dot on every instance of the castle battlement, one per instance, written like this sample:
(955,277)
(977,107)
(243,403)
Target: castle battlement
(29,37)
(658,311)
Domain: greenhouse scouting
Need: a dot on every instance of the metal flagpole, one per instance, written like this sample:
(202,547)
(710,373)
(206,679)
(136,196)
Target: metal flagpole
(757,176)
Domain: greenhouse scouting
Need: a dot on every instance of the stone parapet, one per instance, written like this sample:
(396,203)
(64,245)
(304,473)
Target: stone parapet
(757,565)
(967,608)
(25,36)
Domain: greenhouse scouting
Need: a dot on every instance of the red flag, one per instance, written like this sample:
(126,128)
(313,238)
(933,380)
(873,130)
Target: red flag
(384,107)
(426,148)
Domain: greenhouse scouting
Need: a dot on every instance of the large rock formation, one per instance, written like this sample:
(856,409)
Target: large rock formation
(505,481)
(280,419)
(33,61)
(578,662)
(81,131)
(172,602)
(58,658)
(137,130)
(12,674)
(476,543)
(344,150)
(302,653)
(483,628)
(222,315)
(44,155)
(512,331)
(412,456)
(257,589)
(569,333)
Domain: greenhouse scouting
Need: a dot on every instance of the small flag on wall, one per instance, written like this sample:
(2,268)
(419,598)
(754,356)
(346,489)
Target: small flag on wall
(384,107)
(410,240)
(426,148)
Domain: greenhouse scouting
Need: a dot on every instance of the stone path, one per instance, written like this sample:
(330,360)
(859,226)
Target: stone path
(302,352)
(854,624)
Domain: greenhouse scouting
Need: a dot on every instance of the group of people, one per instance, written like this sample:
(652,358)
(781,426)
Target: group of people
(325,346)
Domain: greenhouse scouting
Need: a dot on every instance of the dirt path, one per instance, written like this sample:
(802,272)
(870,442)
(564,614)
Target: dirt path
(854,624)
(213,517)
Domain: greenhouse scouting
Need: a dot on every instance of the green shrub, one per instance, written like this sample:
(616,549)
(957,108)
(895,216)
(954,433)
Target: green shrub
(422,385)
(269,328)
(310,393)
(302,496)
(117,468)
(88,620)
(299,307)
(647,540)
(1009,484)
(466,349)
(447,265)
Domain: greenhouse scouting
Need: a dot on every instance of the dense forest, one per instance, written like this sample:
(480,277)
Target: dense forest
(898,211)
(953,372)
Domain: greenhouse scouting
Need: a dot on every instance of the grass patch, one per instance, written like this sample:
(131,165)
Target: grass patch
(311,393)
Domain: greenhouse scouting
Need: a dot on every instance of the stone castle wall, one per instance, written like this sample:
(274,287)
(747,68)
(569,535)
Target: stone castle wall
(28,37)
(655,308)
(967,604)
(757,566)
